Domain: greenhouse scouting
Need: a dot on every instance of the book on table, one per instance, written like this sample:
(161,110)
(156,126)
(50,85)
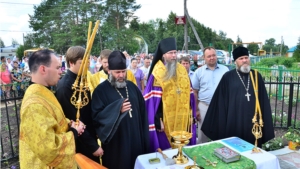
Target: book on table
(227,155)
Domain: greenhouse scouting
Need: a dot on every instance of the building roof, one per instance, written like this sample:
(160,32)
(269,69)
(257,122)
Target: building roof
(292,49)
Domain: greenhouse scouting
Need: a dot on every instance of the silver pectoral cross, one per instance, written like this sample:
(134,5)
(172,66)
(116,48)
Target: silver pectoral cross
(248,96)
(130,113)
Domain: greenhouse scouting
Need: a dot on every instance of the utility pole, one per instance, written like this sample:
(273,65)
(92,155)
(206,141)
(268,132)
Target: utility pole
(281,45)
(185,31)
(23,40)
(186,13)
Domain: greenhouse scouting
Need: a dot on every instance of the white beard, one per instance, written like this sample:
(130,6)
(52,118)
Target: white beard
(171,70)
(245,69)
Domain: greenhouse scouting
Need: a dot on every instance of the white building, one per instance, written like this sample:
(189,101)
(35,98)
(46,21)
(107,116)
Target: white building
(9,51)
(291,51)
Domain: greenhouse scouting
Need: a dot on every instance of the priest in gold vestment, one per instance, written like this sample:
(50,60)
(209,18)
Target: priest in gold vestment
(46,136)
(169,97)
(99,77)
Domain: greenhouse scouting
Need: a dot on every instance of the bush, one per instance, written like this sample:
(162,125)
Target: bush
(293,135)
(269,62)
(274,144)
(287,62)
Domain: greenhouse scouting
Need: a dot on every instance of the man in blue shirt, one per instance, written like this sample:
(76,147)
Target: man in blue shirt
(204,82)
(185,61)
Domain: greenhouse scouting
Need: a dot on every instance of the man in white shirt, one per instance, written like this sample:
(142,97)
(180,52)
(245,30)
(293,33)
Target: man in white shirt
(139,61)
(146,69)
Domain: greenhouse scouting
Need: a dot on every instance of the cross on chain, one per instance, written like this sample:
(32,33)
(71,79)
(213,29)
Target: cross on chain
(248,95)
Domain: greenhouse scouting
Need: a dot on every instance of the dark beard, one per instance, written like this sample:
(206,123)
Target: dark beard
(171,70)
(115,83)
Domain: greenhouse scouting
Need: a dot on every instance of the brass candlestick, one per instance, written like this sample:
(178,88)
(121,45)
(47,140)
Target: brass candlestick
(180,139)
(80,86)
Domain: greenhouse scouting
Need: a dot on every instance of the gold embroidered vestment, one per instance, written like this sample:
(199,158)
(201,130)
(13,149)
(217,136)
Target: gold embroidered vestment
(44,141)
(175,98)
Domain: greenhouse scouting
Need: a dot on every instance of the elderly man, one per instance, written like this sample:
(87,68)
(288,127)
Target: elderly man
(234,108)
(46,136)
(119,116)
(169,97)
(205,82)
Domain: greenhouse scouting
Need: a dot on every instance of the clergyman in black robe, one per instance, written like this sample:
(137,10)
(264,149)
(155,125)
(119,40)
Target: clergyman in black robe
(230,112)
(121,124)
(86,144)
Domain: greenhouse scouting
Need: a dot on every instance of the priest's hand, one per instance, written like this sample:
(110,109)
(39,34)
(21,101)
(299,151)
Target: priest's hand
(198,116)
(126,106)
(98,152)
(80,128)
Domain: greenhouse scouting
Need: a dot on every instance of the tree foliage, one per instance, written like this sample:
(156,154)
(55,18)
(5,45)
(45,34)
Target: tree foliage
(60,24)
(1,43)
(253,48)
(119,12)
(14,42)
(29,42)
(296,54)
(270,45)
(20,52)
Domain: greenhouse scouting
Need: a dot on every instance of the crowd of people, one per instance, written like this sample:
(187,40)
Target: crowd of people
(14,75)
(135,103)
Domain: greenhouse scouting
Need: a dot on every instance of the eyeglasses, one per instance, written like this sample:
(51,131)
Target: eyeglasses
(171,53)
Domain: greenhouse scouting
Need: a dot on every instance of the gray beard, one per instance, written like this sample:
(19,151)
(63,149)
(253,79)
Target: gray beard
(171,70)
(245,69)
(115,83)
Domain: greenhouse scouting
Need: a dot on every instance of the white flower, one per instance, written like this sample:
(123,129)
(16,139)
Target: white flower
(5,155)
(280,144)
(267,145)
(297,141)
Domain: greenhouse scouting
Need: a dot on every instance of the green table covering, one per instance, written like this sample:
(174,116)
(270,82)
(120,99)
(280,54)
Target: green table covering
(208,152)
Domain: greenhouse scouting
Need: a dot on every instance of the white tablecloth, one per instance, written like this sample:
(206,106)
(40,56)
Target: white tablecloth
(262,160)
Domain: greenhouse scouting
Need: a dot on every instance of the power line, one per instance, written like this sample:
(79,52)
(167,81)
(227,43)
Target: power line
(56,5)
(15,31)
(17,3)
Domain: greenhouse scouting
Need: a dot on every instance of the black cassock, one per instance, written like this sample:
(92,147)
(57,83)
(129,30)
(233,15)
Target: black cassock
(86,144)
(230,114)
(123,138)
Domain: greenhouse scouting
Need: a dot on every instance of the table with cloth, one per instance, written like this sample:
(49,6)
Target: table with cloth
(248,159)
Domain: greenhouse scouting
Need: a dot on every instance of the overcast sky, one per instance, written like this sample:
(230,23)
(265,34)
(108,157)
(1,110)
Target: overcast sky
(253,21)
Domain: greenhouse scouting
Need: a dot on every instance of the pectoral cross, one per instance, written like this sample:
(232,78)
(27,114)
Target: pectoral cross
(130,113)
(178,91)
(248,96)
